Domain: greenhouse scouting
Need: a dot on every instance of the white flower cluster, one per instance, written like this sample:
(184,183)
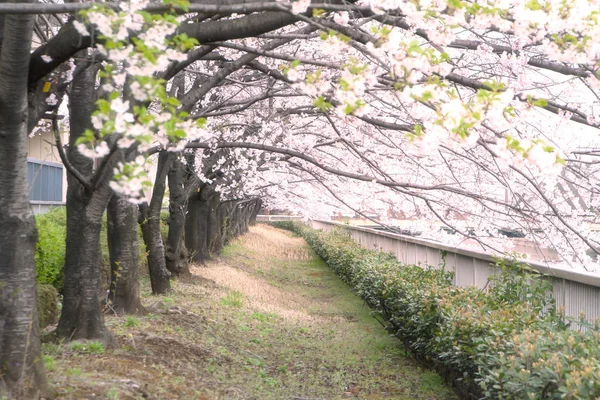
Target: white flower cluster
(537,153)
(98,151)
(135,50)
(352,86)
(131,179)
(297,6)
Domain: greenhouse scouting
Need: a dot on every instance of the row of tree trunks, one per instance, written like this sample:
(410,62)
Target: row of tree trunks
(210,223)
(89,196)
(255,210)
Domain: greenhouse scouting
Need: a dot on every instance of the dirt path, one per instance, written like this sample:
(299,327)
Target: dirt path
(266,320)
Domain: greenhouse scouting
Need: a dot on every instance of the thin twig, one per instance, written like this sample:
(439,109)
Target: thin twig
(61,152)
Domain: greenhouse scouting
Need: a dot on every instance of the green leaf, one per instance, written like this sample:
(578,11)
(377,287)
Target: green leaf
(344,85)
(318,12)
(349,109)
(182,4)
(172,101)
(322,104)
(418,130)
(201,122)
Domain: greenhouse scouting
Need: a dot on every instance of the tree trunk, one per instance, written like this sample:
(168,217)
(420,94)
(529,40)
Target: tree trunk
(215,243)
(196,238)
(226,216)
(150,223)
(21,368)
(245,213)
(124,295)
(157,268)
(257,207)
(81,316)
(221,214)
(218,228)
(176,253)
(235,220)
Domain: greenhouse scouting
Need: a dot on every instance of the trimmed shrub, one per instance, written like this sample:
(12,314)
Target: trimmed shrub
(51,244)
(47,302)
(504,342)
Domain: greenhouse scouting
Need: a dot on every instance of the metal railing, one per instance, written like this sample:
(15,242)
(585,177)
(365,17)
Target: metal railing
(268,218)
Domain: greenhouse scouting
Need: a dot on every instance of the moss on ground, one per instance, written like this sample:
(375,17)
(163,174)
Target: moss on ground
(266,320)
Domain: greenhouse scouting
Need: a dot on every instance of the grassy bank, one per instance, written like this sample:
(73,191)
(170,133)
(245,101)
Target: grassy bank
(266,320)
(505,342)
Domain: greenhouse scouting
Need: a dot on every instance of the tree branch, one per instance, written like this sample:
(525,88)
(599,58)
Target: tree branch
(65,160)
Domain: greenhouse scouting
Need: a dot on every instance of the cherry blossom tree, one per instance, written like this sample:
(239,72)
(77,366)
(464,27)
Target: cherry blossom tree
(479,125)
(481,115)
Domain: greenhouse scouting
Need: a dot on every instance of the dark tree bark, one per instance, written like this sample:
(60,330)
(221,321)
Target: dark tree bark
(252,211)
(235,220)
(249,213)
(1,30)
(21,368)
(124,294)
(176,253)
(81,316)
(238,220)
(257,207)
(179,178)
(218,229)
(245,212)
(68,41)
(215,242)
(150,222)
(227,221)
(196,238)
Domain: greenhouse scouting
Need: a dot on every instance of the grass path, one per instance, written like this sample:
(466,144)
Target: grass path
(266,320)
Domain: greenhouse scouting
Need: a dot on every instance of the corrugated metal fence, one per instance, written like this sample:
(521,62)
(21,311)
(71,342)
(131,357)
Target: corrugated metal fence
(576,292)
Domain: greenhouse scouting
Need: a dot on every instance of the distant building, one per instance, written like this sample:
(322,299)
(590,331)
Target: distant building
(46,176)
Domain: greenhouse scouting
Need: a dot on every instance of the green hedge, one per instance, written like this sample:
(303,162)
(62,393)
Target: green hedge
(505,342)
(50,247)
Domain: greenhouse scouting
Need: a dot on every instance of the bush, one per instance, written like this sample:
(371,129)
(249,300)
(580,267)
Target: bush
(164,225)
(47,302)
(50,247)
(505,342)
(51,244)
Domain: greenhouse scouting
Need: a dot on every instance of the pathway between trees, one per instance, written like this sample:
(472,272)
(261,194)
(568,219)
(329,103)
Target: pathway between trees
(266,320)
